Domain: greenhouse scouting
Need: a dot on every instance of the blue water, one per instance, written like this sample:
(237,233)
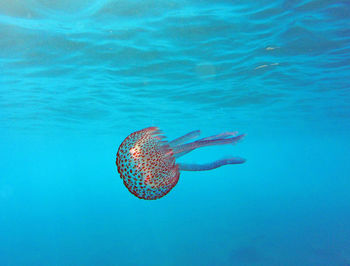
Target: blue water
(77,77)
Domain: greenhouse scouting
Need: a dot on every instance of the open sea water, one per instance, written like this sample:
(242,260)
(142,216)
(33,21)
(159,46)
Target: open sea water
(77,77)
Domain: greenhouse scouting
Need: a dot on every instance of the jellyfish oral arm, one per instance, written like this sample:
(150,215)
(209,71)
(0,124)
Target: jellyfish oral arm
(221,136)
(221,139)
(183,149)
(210,166)
(185,138)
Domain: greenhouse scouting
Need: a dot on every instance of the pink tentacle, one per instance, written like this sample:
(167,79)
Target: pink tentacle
(185,138)
(221,136)
(186,148)
(210,166)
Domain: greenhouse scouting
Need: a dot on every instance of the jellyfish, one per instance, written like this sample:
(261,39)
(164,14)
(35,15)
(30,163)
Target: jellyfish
(147,162)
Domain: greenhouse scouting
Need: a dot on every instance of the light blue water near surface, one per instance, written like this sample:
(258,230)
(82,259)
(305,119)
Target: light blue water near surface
(76,77)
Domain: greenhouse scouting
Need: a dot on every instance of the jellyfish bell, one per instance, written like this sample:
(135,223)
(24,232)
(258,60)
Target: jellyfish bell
(147,165)
(147,162)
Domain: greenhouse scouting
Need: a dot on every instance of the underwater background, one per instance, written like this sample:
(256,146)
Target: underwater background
(77,77)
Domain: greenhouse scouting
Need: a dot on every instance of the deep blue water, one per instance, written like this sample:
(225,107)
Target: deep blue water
(77,77)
